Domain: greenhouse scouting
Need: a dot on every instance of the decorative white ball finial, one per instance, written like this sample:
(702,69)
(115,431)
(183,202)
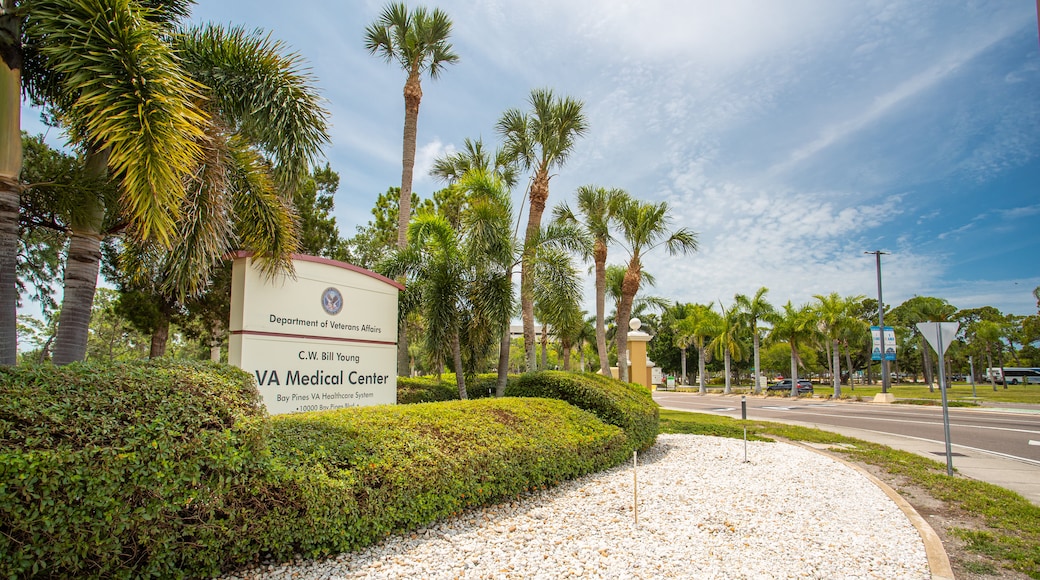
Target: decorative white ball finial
(634,324)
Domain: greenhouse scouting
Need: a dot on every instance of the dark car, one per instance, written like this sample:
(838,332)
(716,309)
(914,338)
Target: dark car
(804,386)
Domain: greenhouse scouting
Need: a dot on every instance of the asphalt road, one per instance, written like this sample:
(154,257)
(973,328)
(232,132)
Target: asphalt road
(999,445)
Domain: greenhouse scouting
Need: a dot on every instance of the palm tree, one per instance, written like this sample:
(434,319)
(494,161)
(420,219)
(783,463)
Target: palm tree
(539,141)
(105,70)
(259,102)
(452,167)
(796,327)
(596,206)
(644,227)
(700,324)
(752,310)
(682,337)
(835,318)
(460,275)
(727,341)
(418,42)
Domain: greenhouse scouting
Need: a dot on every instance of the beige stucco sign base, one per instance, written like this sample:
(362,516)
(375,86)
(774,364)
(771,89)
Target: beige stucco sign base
(324,339)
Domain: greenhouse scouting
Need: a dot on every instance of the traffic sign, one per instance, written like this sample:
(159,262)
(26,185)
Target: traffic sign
(939,334)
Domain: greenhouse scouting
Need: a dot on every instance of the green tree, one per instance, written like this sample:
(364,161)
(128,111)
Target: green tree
(416,40)
(314,201)
(644,227)
(104,70)
(835,317)
(701,323)
(539,141)
(923,309)
(596,207)
(796,327)
(266,130)
(753,310)
(681,337)
(728,341)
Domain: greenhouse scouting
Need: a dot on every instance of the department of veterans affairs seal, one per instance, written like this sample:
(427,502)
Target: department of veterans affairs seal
(331,301)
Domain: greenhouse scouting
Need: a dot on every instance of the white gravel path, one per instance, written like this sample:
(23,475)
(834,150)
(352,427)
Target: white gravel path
(703,513)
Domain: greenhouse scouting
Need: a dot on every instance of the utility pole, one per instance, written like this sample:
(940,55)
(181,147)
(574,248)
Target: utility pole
(885,379)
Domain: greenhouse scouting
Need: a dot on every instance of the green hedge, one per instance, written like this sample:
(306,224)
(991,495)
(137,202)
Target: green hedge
(125,471)
(353,476)
(625,405)
(174,470)
(428,389)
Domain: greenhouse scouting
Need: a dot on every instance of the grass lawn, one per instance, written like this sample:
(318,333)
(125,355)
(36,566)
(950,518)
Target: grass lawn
(1012,535)
(958,392)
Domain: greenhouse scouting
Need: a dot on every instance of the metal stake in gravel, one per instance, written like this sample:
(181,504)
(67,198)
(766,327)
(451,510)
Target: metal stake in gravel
(743,417)
(635,490)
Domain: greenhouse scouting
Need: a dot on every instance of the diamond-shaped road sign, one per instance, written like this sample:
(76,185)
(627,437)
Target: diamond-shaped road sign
(933,330)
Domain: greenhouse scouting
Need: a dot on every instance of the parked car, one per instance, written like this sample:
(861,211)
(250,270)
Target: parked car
(804,386)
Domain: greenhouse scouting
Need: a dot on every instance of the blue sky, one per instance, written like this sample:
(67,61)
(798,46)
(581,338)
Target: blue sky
(792,136)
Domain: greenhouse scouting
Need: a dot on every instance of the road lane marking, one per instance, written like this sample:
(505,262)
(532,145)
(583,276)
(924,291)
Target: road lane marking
(1031,442)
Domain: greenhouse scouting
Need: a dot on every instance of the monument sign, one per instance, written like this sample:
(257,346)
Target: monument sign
(324,339)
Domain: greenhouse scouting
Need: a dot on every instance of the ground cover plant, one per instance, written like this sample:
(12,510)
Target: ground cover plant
(174,470)
(1011,534)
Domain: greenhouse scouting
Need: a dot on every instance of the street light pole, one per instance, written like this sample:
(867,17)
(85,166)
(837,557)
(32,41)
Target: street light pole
(885,379)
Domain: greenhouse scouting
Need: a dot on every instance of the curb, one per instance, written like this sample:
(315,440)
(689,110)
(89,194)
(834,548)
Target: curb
(938,560)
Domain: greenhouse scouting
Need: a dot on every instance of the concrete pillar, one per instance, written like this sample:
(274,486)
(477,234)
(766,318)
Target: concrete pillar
(638,371)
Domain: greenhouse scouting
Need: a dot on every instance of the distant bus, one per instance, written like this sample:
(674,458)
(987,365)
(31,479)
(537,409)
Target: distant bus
(1015,375)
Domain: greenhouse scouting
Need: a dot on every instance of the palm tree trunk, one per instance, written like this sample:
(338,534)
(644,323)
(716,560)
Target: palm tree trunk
(216,339)
(10,188)
(629,287)
(545,346)
(460,375)
(412,98)
(81,270)
(160,337)
(794,372)
(539,193)
(503,360)
(702,353)
(758,363)
(837,369)
(727,358)
(682,357)
(566,348)
(601,308)
(848,366)
(81,274)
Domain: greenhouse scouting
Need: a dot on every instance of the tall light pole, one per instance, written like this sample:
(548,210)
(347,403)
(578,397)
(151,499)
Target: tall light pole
(885,379)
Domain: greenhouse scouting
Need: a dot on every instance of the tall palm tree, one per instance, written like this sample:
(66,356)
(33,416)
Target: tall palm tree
(644,227)
(835,317)
(752,311)
(417,40)
(727,341)
(539,141)
(596,207)
(987,334)
(701,323)
(104,69)
(796,327)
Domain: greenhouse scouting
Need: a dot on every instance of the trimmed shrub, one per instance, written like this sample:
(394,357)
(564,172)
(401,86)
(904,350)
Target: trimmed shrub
(625,405)
(428,389)
(127,470)
(350,477)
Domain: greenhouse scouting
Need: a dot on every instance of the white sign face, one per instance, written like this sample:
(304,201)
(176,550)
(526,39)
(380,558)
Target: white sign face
(931,332)
(324,340)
